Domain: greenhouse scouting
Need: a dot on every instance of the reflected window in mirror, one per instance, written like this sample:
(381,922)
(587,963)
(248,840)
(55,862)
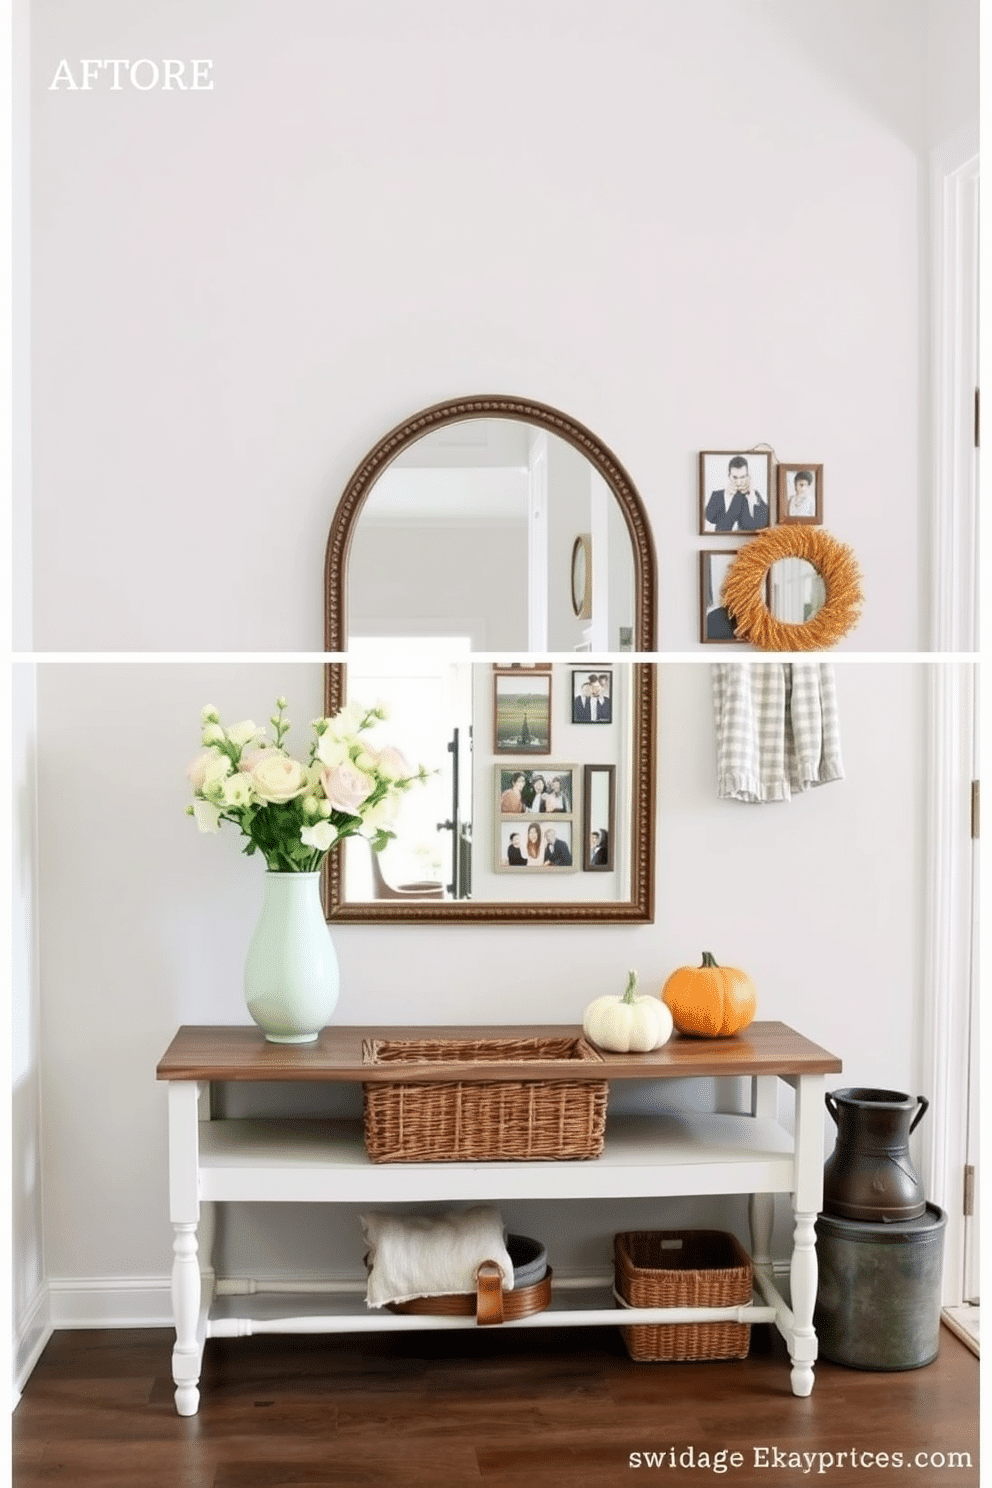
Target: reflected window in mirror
(425,687)
(797,591)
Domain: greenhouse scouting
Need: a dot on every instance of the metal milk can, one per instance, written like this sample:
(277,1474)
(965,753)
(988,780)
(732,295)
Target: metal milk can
(869,1175)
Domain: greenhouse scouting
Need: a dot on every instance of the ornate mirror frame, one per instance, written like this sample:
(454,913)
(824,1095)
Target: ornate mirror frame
(639,908)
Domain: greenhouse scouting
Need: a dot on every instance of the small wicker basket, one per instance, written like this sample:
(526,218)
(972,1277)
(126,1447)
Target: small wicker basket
(484,1120)
(683,1268)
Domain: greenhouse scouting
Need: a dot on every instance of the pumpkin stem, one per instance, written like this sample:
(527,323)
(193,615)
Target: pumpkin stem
(708,959)
(628,996)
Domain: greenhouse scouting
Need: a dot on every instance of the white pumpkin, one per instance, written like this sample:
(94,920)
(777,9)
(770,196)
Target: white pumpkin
(628,1024)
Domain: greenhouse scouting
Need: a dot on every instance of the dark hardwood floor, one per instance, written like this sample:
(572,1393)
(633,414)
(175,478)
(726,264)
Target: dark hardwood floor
(502,1410)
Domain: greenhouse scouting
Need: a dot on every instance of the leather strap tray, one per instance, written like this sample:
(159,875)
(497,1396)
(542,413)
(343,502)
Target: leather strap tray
(488,1302)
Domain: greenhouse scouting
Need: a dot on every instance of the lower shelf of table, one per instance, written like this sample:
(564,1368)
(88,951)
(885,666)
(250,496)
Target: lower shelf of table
(572,1305)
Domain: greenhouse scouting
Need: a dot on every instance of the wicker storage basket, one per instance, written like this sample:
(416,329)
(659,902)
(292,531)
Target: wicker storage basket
(484,1120)
(683,1268)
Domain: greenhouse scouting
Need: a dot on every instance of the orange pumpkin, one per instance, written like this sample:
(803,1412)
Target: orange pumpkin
(711,1000)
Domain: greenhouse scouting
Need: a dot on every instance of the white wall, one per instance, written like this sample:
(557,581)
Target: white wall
(145,924)
(28,1300)
(689,226)
(952,31)
(28,1315)
(420,579)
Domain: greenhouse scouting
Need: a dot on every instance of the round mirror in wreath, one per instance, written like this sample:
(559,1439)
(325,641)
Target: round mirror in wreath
(831,606)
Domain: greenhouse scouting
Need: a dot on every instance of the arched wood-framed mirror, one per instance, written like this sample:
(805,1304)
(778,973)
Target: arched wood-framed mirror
(456,478)
(385,458)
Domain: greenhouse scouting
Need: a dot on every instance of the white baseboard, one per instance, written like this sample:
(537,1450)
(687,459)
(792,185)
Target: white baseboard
(33,1332)
(111,1302)
(965,1323)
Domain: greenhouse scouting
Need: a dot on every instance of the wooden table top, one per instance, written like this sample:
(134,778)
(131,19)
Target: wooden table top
(213,1052)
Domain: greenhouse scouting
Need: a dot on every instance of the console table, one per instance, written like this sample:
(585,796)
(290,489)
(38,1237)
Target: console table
(662,1154)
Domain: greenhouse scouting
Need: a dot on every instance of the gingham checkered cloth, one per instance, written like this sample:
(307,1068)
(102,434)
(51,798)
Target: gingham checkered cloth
(777,730)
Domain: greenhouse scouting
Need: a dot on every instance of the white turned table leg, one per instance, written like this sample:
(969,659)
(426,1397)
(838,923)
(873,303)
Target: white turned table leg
(186,1312)
(761,1215)
(184,1207)
(806,1201)
(802,1277)
(205,1236)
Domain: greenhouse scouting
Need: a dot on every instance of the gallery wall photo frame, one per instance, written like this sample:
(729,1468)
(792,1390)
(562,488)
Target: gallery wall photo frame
(735,491)
(539,844)
(521,710)
(800,495)
(525,790)
(716,625)
(599,790)
(592,694)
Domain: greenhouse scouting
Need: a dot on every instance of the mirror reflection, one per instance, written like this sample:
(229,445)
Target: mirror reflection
(797,592)
(529,800)
(470,531)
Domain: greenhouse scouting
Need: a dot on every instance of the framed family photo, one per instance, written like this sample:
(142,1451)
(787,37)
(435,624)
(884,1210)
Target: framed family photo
(734,491)
(800,494)
(592,695)
(715,624)
(599,816)
(521,791)
(540,845)
(521,712)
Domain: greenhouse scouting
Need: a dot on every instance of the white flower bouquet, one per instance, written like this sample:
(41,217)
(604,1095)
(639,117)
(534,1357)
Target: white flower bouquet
(294,812)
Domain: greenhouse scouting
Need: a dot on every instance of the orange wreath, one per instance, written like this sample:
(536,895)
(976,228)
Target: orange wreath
(742,591)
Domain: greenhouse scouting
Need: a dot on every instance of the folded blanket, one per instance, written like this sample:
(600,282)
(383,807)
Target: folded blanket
(414,1256)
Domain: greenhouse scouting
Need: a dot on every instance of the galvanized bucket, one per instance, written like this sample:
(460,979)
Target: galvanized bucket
(878,1298)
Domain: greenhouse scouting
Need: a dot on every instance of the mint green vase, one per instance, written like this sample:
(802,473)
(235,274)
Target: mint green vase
(291,971)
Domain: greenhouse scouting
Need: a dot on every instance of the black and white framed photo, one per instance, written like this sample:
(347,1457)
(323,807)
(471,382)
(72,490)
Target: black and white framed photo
(599,816)
(522,791)
(800,494)
(592,695)
(542,844)
(521,712)
(734,491)
(715,624)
